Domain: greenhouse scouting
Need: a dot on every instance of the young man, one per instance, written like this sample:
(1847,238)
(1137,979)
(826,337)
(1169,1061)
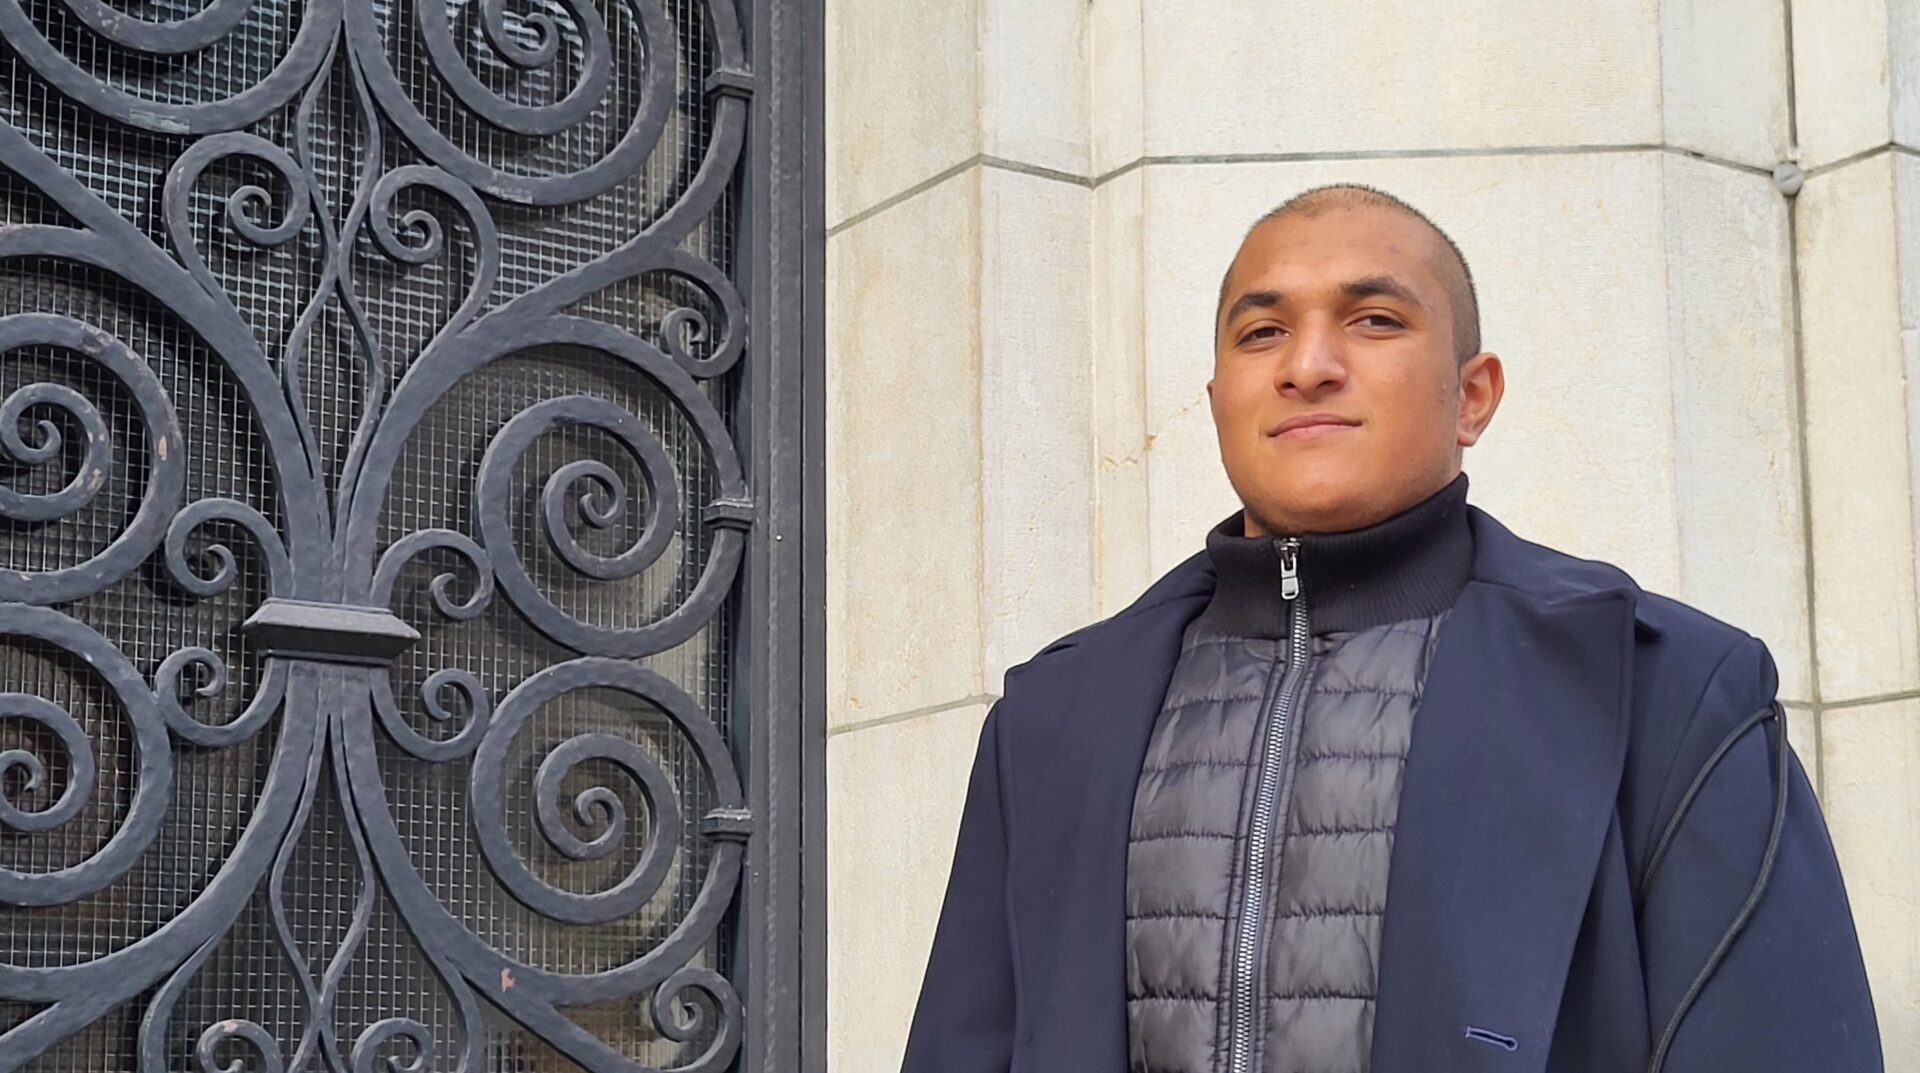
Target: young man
(1373,783)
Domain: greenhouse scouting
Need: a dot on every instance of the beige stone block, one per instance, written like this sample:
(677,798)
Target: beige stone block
(1036,413)
(1121,508)
(1903,69)
(902,97)
(1803,734)
(1906,173)
(1569,259)
(1185,247)
(1871,759)
(1842,77)
(1906,199)
(1186,485)
(1034,83)
(1254,76)
(1735,408)
(1858,412)
(1724,78)
(904,620)
(894,794)
(1118,84)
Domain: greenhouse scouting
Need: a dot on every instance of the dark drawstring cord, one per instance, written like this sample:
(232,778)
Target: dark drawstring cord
(1771,711)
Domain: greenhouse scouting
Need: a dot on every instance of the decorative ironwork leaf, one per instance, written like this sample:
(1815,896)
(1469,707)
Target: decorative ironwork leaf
(369,509)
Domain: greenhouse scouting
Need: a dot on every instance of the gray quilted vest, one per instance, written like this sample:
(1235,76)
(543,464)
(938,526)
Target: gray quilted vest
(1263,818)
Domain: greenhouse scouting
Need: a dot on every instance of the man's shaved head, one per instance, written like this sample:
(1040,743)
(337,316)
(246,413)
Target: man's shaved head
(1348,377)
(1448,263)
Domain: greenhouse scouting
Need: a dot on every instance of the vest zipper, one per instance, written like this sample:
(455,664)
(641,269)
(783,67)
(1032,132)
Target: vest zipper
(1243,993)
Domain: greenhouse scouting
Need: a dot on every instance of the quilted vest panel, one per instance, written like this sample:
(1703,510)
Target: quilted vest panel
(1339,792)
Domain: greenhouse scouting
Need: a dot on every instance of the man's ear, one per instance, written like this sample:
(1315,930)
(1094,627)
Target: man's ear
(1482,384)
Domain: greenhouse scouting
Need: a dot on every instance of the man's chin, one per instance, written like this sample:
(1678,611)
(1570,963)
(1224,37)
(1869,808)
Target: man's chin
(1311,510)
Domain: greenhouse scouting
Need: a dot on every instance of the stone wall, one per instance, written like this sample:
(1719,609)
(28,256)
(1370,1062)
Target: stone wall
(1710,383)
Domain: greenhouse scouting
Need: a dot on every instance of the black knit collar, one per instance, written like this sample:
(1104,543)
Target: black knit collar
(1409,565)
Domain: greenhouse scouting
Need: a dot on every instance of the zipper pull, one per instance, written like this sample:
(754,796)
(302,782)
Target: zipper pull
(1289,568)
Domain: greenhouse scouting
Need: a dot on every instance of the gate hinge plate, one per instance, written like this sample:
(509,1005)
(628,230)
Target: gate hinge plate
(333,633)
(730,82)
(727,824)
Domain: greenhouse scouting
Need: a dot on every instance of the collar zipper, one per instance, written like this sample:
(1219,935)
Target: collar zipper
(1262,851)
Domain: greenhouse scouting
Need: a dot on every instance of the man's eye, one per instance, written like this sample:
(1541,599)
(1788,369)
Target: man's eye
(1382,316)
(1258,332)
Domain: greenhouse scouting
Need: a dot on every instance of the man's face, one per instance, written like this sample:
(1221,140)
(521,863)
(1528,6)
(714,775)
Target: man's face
(1343,315)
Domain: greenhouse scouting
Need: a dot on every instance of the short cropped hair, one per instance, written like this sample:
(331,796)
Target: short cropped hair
(1451,266)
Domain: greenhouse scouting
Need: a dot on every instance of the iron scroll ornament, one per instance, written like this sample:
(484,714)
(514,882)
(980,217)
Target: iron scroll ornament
(332,619)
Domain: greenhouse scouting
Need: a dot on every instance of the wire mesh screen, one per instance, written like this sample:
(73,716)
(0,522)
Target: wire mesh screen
(370,520)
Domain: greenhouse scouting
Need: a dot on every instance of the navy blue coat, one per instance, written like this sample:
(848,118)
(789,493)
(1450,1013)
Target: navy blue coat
(1565,713)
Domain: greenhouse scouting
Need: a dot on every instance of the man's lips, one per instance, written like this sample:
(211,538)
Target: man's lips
(1309,426)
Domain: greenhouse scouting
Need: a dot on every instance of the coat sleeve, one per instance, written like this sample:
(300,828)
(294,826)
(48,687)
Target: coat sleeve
(1791,993)
(963,1021)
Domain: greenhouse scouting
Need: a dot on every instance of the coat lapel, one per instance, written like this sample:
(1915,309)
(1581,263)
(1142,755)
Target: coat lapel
(1511,777)
(1075,760)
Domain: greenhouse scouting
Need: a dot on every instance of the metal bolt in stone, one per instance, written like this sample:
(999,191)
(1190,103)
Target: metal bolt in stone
(1788,177)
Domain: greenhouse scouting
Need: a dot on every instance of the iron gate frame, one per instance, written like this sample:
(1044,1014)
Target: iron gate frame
(776,919)
(786,923)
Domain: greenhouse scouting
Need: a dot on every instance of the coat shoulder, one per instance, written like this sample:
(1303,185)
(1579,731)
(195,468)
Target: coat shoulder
(1696,675)
(1552,574)
(1687,626)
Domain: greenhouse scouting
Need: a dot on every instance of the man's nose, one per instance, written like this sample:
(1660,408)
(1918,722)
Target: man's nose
(1315,364)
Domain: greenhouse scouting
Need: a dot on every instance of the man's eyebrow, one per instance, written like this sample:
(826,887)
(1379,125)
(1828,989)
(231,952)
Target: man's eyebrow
(1252,300)
(1364,287)
(1369,286)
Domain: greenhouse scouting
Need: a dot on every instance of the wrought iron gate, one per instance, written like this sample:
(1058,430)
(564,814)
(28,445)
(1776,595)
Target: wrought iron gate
(388,615)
